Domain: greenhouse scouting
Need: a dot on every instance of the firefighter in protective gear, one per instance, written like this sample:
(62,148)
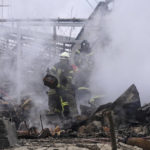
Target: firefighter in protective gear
(64,55)
(25,108)
(62,96)
(83,58)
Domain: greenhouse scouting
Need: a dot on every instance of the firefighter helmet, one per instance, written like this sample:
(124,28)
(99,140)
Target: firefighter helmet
(85,46)
(64,55)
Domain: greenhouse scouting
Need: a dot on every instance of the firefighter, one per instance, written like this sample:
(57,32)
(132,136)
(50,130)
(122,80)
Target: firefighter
(83,58)
(61,94)
(26,106)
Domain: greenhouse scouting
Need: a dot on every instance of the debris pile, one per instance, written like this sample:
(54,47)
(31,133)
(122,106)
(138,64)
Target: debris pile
(124,111)
(33,133)
(123,121)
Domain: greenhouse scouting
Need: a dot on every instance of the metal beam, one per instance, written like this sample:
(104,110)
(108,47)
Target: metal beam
(4,5)
(74,22)
(37,36)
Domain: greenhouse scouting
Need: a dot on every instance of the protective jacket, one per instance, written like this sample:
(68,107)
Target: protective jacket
(62,97)
(84,61)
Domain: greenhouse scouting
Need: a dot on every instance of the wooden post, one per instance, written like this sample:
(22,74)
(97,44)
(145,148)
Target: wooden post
(41,122)
(112,131)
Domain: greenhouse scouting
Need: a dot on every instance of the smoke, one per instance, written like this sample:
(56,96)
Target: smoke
(121,48)
(124,60)
(24,61)
(50,9)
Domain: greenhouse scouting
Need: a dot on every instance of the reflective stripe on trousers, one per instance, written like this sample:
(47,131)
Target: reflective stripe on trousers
(63,103)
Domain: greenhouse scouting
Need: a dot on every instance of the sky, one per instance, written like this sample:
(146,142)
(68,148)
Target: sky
(49,8)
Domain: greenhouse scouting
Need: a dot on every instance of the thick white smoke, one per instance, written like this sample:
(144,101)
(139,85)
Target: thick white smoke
(125,60)
(23,69)
(23,66)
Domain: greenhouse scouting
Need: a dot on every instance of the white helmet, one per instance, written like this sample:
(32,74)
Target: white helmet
(65,55)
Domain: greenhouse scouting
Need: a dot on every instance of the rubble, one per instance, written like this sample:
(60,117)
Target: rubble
(44,133)
(128,147)
(70,144)
(140,142)
(126,106)
(33,133)
(139,131)
(93,130)
(86,110)
(143,114)
(124,111)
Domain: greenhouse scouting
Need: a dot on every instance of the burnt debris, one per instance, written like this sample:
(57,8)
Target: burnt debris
(129,119)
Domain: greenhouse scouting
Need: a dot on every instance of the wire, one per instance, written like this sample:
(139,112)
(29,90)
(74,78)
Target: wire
(89,4)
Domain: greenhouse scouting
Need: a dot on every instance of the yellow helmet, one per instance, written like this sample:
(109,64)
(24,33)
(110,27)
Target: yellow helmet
(64,55)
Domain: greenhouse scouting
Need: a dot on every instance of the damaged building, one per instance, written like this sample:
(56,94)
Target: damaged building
(48,104)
